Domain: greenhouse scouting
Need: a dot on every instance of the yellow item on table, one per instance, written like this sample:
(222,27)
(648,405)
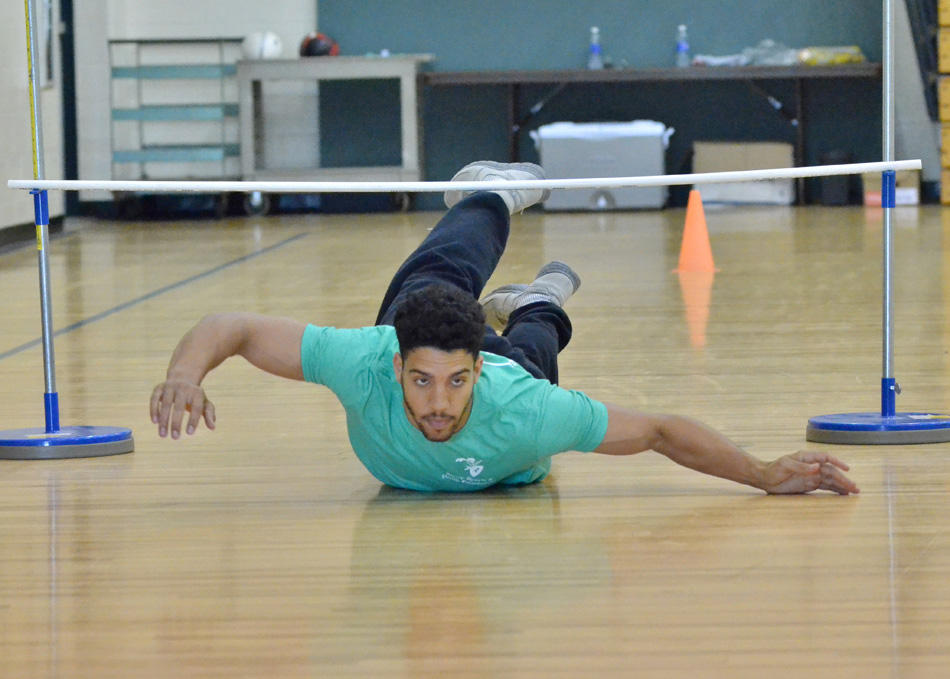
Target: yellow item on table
(831,56)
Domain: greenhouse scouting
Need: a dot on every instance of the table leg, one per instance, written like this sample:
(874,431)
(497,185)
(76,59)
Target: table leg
(514,127)
(800,135)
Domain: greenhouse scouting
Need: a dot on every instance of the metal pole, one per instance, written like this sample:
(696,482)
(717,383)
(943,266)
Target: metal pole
(889,386)
(41,210)
(888,427)
(55,443)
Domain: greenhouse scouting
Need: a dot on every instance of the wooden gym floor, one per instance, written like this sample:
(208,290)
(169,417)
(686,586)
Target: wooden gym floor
(265,549)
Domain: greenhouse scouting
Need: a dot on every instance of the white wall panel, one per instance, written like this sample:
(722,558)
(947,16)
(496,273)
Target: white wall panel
(290,19)
(16,147)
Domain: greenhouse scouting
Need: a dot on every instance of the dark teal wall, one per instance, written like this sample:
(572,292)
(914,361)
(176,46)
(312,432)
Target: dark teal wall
(538,34)
(463,124)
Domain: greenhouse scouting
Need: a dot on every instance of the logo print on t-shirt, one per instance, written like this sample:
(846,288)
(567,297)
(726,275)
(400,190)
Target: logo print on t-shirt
(472,466)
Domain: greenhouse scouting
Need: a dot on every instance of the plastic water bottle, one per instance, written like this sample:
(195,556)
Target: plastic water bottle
(595,58)
(682,47)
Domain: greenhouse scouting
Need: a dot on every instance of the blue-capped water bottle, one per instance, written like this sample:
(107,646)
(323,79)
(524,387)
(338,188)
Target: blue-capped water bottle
(682,47)
(595,57)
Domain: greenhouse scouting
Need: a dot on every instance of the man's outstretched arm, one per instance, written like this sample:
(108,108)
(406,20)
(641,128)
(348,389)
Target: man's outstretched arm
(696,446)
(271,344)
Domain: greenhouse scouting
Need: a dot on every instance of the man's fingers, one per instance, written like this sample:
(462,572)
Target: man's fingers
(838,463)
(805,468)
(167,399)
(805,471)
(179,406)
(823,458)
(155,402)
(832,474)
(832,479)
(209,414)
(195,417)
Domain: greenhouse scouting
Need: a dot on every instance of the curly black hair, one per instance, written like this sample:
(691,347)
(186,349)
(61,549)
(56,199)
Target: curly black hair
(442,317)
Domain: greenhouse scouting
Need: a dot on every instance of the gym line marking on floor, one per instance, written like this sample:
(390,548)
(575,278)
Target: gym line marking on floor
(151,295)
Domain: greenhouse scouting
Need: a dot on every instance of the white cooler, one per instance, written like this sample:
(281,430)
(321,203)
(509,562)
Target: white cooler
(577,150)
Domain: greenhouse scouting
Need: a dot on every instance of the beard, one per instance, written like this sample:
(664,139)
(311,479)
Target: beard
(455,423)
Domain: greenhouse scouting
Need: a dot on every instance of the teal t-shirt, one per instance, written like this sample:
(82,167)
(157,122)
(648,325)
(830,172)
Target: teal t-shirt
(516,424)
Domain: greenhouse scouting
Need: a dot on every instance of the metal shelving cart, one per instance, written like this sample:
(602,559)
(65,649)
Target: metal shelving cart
(174,112)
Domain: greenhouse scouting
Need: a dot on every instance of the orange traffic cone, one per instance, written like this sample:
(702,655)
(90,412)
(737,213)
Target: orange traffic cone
(695,252)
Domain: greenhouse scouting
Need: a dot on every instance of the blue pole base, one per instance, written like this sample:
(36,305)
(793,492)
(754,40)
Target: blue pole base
(67,442)
(51,406)
(888,397)
(877,429)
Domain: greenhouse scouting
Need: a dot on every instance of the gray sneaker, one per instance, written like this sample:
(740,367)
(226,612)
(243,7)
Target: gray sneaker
(487,170)
(555,283)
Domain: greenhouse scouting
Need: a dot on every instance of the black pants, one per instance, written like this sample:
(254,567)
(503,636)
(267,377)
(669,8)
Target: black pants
(463,250)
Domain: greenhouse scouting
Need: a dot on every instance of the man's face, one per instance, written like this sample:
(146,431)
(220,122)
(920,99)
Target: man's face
(437,388)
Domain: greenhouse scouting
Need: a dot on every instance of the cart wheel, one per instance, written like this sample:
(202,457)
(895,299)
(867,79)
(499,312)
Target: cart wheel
(256,204)
(402,201)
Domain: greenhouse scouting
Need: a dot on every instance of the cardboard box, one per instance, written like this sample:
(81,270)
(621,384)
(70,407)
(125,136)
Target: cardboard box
(625,149)
(731,156)
(945,146)
(907,191)
(945,187)
(943,12)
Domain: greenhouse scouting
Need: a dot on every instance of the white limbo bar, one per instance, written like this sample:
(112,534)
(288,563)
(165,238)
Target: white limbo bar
(440,186)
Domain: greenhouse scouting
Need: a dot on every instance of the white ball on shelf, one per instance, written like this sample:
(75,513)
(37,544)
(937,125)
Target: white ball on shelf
(262,45)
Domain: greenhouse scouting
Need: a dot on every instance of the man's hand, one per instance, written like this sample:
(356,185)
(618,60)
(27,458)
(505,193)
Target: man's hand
(271,344)
(170,401)
(806,471)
